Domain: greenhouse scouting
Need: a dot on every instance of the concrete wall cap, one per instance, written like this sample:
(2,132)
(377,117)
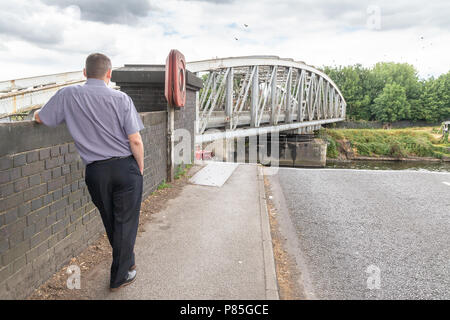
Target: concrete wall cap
(149,74)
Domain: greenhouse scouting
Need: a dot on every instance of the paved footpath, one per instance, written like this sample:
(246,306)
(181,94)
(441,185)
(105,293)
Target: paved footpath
(206,244)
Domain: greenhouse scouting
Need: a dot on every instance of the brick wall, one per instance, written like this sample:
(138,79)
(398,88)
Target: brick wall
(147,98)
(185,118)
(46,216)
(155,150)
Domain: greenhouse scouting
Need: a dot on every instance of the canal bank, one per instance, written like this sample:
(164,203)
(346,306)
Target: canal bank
(413,144)
(394,164)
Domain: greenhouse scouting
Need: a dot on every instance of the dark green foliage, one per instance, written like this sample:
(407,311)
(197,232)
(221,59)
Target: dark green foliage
(391,105)
(392,91)
(332,151)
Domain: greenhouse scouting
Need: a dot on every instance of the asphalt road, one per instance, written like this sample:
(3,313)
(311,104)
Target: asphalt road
(348,225)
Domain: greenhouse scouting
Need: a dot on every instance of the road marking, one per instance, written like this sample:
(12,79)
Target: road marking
(447,183)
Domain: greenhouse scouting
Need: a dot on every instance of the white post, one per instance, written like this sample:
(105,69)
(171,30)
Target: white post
(170,142)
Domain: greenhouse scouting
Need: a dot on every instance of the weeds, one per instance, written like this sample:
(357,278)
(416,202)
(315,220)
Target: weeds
(332,151)
(164,185)
(399,143)
(181,172)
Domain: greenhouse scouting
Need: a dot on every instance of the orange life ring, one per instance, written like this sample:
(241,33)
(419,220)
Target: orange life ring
(175,79)
(168,88)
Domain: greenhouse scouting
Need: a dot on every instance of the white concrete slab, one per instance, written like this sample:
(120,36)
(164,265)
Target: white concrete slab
(214,174)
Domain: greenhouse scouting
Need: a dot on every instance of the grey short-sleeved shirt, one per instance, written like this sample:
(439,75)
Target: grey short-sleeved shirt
(98,118)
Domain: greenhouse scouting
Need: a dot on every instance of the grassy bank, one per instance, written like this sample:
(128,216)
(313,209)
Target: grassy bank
(396,143)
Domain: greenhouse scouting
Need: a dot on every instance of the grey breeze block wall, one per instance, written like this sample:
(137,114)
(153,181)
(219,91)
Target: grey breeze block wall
(46,214)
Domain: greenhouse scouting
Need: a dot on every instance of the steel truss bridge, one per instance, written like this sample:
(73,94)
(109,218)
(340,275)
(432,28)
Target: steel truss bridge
(242,96)
(245,96)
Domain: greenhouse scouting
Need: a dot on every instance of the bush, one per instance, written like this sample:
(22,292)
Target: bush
(332,151)
(396,150)
(378,148)
(363,149)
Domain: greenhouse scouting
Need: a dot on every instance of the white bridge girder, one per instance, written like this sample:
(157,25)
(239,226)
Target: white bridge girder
(22,95)
(27,94)
(248,92)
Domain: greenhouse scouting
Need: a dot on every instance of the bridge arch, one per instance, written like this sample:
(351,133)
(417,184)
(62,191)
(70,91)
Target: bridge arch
(256,91)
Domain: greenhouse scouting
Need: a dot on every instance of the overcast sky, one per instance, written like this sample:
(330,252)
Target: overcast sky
(48,36)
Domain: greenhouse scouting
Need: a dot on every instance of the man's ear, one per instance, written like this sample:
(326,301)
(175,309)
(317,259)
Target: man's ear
(109,73)
(84,72)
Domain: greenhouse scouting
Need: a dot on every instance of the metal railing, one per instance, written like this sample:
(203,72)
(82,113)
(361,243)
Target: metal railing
(26,94)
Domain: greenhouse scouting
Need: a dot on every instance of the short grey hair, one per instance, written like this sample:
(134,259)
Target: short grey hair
(97,64)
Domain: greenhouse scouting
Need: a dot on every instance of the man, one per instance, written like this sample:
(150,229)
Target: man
(105,127)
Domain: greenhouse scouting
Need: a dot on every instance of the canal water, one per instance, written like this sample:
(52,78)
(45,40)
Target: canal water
(437,166)
(391,165)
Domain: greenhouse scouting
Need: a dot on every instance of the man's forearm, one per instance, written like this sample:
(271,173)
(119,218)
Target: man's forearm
(36,117)
(137,148)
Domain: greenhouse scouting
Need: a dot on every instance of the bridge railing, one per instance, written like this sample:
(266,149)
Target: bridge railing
(256,90)
(26,94)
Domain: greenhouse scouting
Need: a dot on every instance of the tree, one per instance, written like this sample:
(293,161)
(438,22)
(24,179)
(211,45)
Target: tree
(391,105)
(435,99)
(427,100)
(402,74)
(444,96)
(353,83)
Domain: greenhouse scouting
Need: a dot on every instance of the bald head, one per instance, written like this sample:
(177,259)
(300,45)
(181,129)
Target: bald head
(97,65)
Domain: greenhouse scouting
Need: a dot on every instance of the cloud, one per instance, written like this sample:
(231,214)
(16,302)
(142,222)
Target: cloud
(108,11)
(433,14)
(213,1)
(47,36)
(393,14)
(27,21)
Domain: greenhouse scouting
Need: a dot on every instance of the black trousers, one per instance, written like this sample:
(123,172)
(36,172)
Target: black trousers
(115,187)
